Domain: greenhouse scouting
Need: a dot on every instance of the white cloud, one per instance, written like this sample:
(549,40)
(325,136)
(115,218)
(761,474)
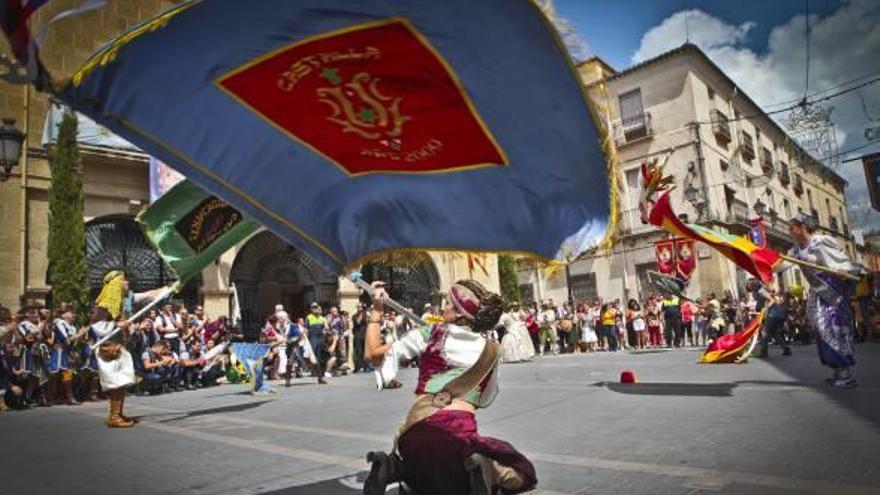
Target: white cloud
(844,45)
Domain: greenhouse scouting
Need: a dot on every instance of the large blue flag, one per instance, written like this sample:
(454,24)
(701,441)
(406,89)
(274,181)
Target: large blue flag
(354,127)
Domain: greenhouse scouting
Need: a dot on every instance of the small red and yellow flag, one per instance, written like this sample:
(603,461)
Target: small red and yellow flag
(733,348)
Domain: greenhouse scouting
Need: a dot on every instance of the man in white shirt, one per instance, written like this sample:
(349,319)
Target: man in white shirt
(168,324)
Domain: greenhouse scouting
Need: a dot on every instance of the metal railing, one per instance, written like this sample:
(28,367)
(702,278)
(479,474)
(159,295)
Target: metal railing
(720,125)
(737,212)
(631,222)
(633,128)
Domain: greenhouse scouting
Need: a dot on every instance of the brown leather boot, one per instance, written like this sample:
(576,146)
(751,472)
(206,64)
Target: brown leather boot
(115,420)
(384,470)
(67,387)
(479,468)
(122,408)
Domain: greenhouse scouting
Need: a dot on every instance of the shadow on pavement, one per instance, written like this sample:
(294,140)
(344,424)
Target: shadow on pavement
(724,389)
(804,366)
(671,388)
(349,485)
(214,410)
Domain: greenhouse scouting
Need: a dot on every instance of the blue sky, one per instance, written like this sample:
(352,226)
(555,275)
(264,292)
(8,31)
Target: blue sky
(613,28)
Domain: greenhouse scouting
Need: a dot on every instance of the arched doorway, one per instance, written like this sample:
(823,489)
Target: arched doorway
(268,271)
(412,282)
(117,243)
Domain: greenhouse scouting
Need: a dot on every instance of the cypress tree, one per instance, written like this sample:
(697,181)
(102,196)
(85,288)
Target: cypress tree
(66,245)
(509,281)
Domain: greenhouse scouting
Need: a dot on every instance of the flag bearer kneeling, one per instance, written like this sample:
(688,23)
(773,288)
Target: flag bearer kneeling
(438,449)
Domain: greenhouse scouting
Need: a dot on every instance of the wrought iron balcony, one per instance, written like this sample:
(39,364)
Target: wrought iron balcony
(747,146)
(631,222)
(798,187)
(767,162)
(737,211)
(634,128)
(784,177)
(720,125)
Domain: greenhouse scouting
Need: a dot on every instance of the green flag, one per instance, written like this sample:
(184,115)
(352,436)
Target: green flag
(191,228)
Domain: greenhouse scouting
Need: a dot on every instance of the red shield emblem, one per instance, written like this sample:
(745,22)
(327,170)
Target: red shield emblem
(370,98)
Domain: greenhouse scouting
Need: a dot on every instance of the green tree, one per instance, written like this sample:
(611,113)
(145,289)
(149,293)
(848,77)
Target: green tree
(66,245)
(507,274)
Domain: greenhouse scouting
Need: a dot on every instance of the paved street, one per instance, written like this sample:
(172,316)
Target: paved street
(767,427)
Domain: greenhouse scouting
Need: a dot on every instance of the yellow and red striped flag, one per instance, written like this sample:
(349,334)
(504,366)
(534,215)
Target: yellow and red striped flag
(758,261)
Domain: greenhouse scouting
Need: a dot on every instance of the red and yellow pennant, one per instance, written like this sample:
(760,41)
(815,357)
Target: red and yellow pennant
(758,261)
(734,348)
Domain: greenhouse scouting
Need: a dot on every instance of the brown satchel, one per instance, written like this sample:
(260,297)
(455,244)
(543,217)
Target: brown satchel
(427,404)
(110,351)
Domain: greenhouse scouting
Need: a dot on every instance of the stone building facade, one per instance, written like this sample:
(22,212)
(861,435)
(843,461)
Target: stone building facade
(732,163)
(265,270)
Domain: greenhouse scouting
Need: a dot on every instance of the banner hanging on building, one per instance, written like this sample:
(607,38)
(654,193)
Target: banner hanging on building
(686,258)
(757,232)
(664,252)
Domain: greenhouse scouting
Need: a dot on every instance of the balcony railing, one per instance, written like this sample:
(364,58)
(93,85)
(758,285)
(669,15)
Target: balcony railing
(747,147)
(737,211)
(767,162)
(633,128)
(798,187)
(631,222)
(784,178)
(720,125)
(776,226)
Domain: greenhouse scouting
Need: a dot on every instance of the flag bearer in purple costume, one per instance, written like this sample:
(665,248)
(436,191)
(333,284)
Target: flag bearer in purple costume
(115,366)
(438,448)
(828,308)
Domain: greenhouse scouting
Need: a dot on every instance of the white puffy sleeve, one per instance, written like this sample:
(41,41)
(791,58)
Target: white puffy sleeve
(408,347)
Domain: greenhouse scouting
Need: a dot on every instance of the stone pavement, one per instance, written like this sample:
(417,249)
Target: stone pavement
(766,427)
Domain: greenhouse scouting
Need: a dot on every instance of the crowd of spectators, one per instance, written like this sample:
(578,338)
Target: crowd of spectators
(45,357)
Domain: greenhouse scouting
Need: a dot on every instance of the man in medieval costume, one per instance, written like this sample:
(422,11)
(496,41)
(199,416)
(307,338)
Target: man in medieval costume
(438,450)
(115,366)
(828,305)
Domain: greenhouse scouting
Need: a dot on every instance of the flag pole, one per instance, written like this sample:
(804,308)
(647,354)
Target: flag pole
(825,269)
(362,284)
(162,295)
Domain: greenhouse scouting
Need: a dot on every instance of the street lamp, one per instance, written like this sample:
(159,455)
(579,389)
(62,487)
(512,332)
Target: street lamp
(10,147)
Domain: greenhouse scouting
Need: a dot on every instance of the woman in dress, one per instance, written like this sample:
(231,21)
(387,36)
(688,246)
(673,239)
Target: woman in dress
(655,330)
(440,450)
(588,327)
(635,315)
(516,345)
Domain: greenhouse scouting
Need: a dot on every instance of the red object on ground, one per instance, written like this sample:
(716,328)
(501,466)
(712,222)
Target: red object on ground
(627,376)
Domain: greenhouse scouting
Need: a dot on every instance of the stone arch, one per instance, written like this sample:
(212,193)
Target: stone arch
(116,242)
(268,271)
(413,281)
